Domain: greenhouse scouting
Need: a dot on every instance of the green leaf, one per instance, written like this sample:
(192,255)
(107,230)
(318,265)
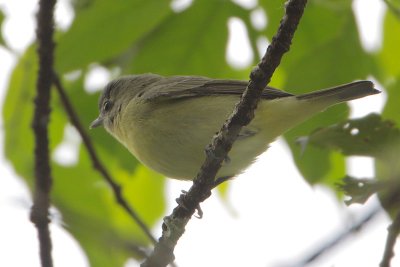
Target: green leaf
(18,114)
(318,62)
(359,190)
(2,16)
(102,227)
(102,29)
(390,53)
(199,49)
(145,188)
(85,201)
(389,69)
(392,107)
(321,23)
(316,164)
(344,57)
(368,136)
(141,188)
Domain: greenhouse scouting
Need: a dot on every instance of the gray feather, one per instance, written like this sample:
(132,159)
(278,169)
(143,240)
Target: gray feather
(194,86)
(343,92)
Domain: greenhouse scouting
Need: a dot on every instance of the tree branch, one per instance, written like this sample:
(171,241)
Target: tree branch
(338,238)
(43,180)
(393,233)
(97,164)
(389,198)
(390,202)
(174,224)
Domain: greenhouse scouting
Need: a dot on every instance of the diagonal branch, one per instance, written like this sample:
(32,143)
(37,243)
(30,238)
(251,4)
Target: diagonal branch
(43,180)
(97,164)
(388,200)
(338,238)
(174,224)
(393,233)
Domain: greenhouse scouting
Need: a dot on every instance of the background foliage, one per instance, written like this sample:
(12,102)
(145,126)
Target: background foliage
(141,36)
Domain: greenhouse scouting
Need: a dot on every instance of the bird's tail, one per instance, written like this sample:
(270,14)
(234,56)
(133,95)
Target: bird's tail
(341,93)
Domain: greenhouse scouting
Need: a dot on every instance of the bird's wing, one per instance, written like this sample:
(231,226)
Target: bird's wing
(177,87)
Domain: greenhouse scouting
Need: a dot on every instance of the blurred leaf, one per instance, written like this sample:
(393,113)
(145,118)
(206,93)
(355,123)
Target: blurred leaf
(337,169)
(87,205)
(19,98)
(82,198)
(192,42)
(103,28)
(392,107)
(388,73)
(387,167)
(318,60)
(393,3)
(145,188)
(305,69)
(389,69)
(141,188)
(368,136)
(318,165)
(321,23)
(103,228)
(18,115)
(359,190)
(390,50)
(2,17)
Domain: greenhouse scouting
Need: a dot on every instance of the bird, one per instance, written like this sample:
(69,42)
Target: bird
(166,122)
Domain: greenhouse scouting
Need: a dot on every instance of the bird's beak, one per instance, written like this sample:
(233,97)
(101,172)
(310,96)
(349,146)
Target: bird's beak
(96,123)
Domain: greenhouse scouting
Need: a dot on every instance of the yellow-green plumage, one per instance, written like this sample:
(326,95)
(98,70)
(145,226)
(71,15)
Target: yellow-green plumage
(167,129)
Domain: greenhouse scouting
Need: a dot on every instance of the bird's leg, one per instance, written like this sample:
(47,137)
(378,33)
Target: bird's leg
(217,182)
(199,214)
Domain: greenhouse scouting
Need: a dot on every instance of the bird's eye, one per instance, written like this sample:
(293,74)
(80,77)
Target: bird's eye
(107,106)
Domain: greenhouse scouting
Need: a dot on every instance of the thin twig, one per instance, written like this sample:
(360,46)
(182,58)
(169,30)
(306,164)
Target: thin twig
(97,164)
(388,201)
(393,233)
(338,239)
(174,225)
(43,180)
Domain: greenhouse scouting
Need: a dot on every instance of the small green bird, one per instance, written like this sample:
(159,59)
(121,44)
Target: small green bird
(166,122)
